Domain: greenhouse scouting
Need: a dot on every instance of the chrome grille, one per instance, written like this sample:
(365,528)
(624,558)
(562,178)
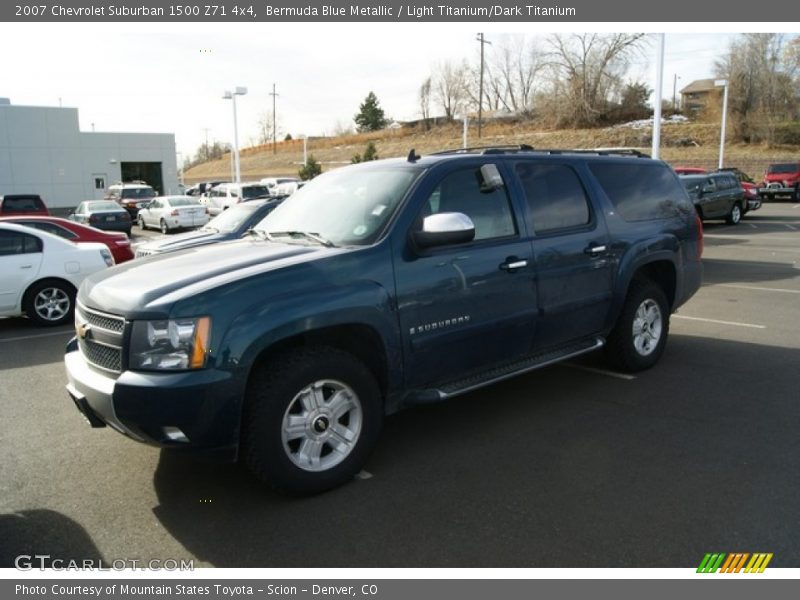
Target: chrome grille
(100,338)
(101,320)
(100,355)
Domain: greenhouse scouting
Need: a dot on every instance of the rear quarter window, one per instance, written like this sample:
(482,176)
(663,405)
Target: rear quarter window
(641,192)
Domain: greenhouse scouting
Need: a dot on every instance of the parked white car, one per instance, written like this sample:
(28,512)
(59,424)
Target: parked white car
(288,188)
(225,195)
(273,182)
(172,212)
(40,273)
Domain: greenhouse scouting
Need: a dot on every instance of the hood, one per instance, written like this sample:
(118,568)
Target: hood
(183,240)
(149,286)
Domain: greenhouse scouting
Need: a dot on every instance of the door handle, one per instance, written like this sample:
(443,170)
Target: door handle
(595,249)
(512,264)
(26,267)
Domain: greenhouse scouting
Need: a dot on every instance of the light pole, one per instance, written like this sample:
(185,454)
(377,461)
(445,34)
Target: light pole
(657,112)
(724,84)
(480,91)
(227,95)
(305,149)
(675,93)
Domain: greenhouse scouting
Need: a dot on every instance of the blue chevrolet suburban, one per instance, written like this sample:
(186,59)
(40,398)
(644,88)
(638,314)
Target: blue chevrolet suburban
(380,286)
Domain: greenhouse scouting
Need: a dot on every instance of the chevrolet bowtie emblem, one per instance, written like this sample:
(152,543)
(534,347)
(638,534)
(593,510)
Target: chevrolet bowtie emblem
(82,330)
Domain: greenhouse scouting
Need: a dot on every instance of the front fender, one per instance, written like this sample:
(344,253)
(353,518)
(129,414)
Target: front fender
(264,324)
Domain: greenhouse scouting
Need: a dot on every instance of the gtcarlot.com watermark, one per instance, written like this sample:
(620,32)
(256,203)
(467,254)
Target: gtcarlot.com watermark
(42,562)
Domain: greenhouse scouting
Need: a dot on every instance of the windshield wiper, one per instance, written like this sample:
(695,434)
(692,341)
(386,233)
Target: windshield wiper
(258,233)
(214,229)
(314,237)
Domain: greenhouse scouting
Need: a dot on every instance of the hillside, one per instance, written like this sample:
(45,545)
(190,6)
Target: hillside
(695,144)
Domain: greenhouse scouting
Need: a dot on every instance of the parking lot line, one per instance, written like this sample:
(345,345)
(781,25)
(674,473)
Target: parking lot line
(760,289)
(600,371)
(751,325)
(792,227)
(38,335)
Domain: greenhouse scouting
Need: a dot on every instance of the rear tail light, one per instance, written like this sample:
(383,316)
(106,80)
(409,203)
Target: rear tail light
(122,242)
(125,216)
(93,218)
(700,242)
(207,212)
(174,213)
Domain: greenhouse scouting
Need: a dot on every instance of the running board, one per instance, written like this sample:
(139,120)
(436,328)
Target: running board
(507,371)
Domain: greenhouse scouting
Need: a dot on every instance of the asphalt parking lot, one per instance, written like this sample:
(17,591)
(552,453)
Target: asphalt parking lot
(570,466)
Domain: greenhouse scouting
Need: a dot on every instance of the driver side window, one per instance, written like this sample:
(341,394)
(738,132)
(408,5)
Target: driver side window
(460,191)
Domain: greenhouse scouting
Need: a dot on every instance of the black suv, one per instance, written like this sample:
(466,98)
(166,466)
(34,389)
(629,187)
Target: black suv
(379,286)
(716,196)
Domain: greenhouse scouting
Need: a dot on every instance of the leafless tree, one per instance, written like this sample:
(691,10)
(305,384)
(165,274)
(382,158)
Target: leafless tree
(425,102)
(761,70)
(586,70)
(265,128)
(515,63)
(449,87)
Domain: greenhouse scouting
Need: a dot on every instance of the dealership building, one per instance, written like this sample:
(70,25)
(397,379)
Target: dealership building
(43,151)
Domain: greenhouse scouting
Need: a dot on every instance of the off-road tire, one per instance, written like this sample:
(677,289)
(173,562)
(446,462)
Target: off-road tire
(273,389)
(621,350)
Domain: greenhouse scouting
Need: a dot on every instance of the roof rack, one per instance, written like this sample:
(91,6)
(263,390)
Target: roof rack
(527,148)
(487,149)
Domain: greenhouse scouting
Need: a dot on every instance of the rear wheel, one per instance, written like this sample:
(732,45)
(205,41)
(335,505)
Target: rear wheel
(141,223)
(640,334)
(311,419)
(50,303)
(735,215)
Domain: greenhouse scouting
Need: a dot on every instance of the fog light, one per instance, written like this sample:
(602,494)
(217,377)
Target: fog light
(175,435)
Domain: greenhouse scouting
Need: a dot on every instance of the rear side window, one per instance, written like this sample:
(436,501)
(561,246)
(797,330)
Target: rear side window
(50,228)
(15,242)
(640,192)
(555,197)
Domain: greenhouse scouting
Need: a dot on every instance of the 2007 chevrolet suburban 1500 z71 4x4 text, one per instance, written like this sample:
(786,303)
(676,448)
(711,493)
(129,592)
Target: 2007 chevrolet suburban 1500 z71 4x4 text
(379,286)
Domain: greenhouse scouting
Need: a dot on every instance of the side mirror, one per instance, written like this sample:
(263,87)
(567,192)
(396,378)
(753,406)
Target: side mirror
(444,229)
(489,178)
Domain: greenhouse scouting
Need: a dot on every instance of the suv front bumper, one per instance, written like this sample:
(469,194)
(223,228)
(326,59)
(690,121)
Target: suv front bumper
(190,409)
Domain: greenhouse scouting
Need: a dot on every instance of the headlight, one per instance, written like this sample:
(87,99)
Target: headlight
(170,345)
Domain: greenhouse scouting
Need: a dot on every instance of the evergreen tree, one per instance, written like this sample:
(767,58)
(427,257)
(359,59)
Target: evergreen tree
(371,153)
(370,116)
(310,170)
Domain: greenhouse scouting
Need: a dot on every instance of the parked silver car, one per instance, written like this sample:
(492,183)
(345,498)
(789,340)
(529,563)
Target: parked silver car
(172,212)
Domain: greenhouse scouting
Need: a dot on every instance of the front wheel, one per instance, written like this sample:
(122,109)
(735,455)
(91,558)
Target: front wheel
(640,334)
(311,419)
(735,215)
(164,227)
(141,223)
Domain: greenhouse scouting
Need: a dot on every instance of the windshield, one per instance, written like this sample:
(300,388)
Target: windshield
(254,191)
(147,192)
(230,220)
(349,206)
(786,168)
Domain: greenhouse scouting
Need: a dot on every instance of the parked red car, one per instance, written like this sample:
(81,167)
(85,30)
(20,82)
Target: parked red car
(781,179)
(117,242)
(22,204)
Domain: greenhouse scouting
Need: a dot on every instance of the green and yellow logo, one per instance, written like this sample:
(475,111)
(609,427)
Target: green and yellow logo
(734,562)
